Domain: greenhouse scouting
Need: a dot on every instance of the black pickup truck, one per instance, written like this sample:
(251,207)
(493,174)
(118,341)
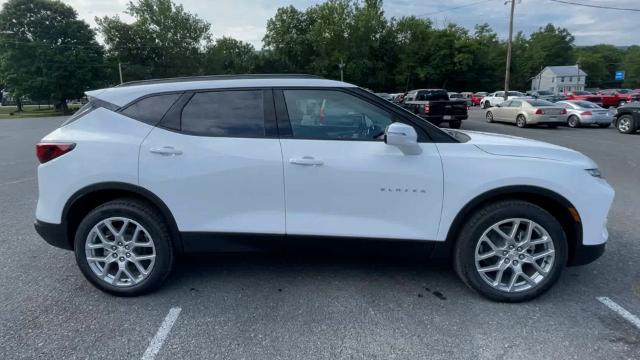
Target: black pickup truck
(434,106)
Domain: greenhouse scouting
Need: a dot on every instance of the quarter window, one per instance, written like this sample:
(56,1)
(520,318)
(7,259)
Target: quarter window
(150,110)
(334,115)
(225,113)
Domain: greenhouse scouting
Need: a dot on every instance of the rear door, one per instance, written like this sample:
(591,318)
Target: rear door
(341,179)
(215,161)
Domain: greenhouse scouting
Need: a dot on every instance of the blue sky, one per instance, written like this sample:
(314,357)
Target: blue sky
(246,19)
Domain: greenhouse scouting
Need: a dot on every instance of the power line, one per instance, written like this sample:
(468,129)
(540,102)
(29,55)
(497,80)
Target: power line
(593,6)
(454,8)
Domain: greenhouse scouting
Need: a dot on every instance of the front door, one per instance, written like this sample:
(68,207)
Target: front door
(341,179)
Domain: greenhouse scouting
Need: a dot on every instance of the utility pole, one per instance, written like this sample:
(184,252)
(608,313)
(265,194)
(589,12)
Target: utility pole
(507,73)
(120,71)
(341,66)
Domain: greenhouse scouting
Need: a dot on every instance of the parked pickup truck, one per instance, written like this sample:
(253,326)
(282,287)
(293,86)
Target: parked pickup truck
(616,97)
(584,95)
(435,106)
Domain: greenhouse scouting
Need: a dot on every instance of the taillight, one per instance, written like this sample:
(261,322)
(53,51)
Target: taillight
(49,151)
(426,108)
(586,113)
(563,112)
(539,112)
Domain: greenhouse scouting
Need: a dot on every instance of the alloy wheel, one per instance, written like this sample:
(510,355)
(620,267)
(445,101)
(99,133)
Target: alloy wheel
(514,255)
(120,251)
(624,124)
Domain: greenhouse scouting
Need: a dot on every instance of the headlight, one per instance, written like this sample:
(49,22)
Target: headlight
(594,172)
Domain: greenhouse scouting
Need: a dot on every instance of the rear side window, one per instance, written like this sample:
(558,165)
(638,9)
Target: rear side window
(84,110)
(225,113)
(432,95)
(150,110)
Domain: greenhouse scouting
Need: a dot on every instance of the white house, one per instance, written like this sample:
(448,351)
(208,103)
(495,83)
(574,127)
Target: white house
(559,79)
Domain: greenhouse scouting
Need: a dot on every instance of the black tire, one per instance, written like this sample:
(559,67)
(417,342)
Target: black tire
(481,220)
(604,126)
(521,121)
(625,124)
(486,105)
(489,117)
(455,124)
(154,223)
(573,121)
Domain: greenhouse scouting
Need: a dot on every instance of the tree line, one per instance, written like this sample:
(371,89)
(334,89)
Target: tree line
(48,54)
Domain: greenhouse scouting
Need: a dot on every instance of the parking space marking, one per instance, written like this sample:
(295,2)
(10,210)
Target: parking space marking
(161,335)
(19,181)
(634,320)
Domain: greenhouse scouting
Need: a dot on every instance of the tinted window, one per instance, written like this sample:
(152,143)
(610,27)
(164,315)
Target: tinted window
(506,103)
(432,95)
(515,103)
(225,113)
(332,115)
(151,109)
(84,110)
(587,104)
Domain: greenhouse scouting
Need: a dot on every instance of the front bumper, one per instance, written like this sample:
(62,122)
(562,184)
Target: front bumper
(54,234)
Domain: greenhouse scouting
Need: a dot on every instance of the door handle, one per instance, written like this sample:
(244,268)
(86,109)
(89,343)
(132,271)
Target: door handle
(306,160)
(166,151)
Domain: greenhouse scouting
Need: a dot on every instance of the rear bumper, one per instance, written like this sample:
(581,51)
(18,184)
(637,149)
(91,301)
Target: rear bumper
(54,234)
(585,254)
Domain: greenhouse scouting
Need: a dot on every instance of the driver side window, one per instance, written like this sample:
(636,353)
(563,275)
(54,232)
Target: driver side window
(334,115)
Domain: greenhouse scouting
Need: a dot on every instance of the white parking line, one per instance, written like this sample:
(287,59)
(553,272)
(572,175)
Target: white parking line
(18,181)
(620,310)
(161,335)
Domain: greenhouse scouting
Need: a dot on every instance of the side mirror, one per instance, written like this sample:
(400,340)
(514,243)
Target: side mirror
(404,137)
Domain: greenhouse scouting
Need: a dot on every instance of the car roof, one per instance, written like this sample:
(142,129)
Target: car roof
(127,92)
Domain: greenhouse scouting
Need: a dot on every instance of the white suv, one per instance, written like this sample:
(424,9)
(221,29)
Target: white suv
(497,98)
(148,170)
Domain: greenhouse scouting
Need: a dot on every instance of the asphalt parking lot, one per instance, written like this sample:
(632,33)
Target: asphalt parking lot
(300,306)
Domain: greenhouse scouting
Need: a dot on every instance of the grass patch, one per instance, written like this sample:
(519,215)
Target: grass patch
(30,111)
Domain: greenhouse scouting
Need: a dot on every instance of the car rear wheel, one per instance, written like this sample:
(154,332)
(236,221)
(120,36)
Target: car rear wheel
(489,117)
(455,124)
(511,251)
(487,105)
(573,121)
(124,247)
(521,121)
(625,124)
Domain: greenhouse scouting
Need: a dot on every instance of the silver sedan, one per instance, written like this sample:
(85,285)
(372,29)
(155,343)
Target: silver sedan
(583,112)
(525,112)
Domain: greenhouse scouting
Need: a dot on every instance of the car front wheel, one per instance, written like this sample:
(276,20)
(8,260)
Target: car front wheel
(625,124)
(511,251)
(123,247)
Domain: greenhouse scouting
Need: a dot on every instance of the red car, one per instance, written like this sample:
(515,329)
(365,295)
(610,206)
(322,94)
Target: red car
(475,98)
(616,97)
(584,95)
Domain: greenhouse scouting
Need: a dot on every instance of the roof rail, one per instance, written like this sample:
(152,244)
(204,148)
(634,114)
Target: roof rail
(218,77)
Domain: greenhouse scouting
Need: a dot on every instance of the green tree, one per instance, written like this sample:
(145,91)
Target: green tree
(46,53)
(229,56)
(163,41)
(631,65)
(600,63)
(287,44)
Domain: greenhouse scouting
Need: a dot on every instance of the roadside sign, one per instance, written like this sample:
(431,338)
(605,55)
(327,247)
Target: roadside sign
(619,74)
